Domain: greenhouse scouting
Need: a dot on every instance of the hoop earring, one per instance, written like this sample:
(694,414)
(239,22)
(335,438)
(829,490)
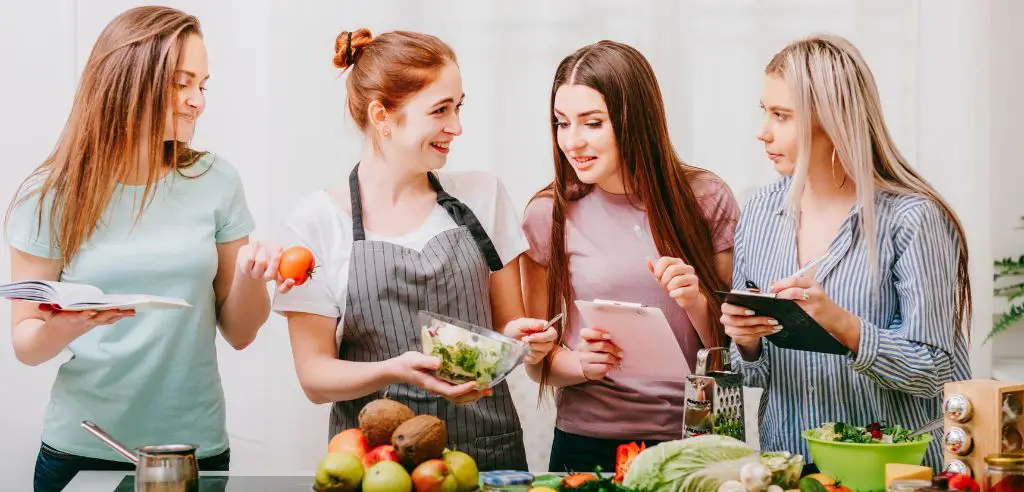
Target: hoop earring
(834,170)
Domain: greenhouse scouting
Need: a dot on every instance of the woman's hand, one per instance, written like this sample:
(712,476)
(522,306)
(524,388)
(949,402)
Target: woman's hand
(598,354)
(82,321)
(532,331)
(809,295)
(679,280)
(414,368)
(259,262)
(746,330)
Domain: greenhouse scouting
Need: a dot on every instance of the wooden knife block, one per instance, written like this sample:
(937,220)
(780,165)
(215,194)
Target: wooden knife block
(985,425)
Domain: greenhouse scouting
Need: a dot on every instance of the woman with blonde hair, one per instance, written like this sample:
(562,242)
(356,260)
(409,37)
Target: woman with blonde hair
(893,284)
(123,203)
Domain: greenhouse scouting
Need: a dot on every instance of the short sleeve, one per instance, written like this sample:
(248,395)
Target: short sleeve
(310,225)
(487,197)
(721,209)
(537,227)
(506,234)
(234,220)
(25,231)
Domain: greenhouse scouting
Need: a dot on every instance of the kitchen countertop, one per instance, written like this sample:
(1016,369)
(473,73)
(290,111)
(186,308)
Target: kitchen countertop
(108,481)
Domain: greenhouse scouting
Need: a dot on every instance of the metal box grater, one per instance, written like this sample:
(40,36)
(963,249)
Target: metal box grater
(714,399)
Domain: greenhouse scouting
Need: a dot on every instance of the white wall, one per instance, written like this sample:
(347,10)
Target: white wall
(1007,177)
(276,110)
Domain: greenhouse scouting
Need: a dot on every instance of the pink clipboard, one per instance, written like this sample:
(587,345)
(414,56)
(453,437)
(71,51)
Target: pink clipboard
(649,348)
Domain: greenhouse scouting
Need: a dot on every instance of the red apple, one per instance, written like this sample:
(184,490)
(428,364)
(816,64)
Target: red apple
(384,452)
(351,441)
(433,476)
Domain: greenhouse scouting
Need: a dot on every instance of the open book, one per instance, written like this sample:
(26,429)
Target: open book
(66,296)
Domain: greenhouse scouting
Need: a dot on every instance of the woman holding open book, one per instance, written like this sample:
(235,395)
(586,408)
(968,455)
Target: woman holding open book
(616,170)
(124,204)
(891,282)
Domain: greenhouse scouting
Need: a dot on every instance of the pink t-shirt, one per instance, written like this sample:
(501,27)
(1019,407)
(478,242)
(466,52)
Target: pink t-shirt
(608,261)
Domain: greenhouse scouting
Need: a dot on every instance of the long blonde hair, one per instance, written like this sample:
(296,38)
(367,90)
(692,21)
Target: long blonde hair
(119,109)
(831,83)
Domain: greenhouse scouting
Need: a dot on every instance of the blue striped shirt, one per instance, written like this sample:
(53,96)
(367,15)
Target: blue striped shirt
(908,349)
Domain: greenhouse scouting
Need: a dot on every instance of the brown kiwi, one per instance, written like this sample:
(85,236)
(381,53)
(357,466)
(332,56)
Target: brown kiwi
(379,419)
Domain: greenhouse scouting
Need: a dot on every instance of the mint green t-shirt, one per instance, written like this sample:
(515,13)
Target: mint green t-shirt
(152,378)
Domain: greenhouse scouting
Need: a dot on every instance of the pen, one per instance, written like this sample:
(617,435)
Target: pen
(653,256)
(549,324)
(813,263)
(751,286)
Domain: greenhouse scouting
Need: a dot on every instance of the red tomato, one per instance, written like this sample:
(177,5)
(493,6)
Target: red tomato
(577,479)
(297,263)
(963,482)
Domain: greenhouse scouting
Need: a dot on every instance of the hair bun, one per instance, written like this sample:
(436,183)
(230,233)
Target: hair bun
(349,45)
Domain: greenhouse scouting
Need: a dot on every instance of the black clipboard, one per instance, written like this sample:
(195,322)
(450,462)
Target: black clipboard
(799,330)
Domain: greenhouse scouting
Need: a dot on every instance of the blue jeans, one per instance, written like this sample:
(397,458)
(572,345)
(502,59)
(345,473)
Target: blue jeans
(55,469)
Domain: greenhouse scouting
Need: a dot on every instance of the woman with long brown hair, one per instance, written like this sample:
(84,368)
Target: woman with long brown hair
(615,168)
(893,286)
(125,204)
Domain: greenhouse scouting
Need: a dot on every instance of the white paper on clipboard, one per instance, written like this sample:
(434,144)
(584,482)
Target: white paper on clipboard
(649,348)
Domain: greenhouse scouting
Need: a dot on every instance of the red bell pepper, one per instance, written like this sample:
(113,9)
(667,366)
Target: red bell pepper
(624,457)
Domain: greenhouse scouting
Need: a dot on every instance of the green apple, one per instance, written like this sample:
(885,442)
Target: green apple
(387,476)
(339,472)
(464,469)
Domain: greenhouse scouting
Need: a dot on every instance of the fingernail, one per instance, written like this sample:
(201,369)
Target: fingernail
(605,336)
(773,322)
(748,312)
(777,329)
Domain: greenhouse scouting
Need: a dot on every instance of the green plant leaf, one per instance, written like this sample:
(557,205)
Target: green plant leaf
(1010,292)
(1009,318)
(1008,267)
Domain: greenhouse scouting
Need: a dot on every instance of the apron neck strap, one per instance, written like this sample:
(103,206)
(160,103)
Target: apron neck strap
(458,211)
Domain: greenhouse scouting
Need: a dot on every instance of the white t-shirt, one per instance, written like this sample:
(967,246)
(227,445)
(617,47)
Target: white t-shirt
(324,226)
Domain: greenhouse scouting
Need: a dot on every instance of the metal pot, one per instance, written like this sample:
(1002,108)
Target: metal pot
(164,468)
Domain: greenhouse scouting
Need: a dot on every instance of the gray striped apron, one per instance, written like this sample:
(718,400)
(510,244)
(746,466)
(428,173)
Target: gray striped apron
(387,285)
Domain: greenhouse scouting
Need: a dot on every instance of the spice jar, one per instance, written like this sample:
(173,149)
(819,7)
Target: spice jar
(1012,408)
(958,408)
(1012,441)
(1005,472)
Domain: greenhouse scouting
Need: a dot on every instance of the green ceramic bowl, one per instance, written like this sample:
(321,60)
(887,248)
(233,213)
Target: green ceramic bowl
(862,466)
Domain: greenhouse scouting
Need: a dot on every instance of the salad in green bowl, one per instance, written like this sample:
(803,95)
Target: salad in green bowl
(857,456)
(875,433)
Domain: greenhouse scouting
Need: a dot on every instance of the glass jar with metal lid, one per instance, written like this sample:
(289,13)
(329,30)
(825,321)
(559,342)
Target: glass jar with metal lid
(1005,472)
